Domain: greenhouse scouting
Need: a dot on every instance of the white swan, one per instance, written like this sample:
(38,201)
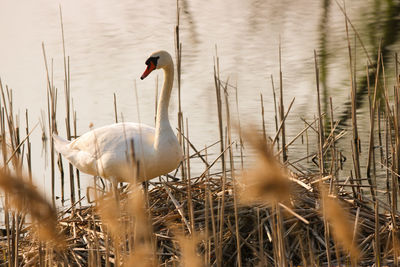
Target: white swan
(106,151)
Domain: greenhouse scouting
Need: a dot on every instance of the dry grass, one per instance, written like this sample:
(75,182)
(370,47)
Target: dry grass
(24,199)
(129,234)
(268,181)
(340,222)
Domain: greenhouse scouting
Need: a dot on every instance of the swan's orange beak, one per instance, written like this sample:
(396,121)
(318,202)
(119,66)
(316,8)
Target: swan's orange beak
(149,69)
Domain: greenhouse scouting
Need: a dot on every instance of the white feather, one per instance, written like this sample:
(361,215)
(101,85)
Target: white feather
(107,152)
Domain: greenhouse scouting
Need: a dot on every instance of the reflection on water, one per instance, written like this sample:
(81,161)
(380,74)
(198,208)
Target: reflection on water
(108,43)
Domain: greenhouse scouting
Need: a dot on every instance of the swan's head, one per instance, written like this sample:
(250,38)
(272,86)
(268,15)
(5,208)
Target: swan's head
(157,60)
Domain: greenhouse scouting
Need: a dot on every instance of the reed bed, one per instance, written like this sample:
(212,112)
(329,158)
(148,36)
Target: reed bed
(96,238)
(275,211)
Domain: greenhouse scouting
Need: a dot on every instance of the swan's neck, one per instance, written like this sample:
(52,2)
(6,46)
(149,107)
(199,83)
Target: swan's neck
(162,121)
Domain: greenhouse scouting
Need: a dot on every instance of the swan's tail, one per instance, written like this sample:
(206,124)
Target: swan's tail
(60,144)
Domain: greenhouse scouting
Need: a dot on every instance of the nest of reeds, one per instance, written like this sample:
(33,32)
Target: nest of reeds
(207,213)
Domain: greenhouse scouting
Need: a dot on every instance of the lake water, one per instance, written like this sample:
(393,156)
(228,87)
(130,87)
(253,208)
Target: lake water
(109,41)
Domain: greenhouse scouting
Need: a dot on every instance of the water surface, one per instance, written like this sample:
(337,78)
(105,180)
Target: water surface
(109,41)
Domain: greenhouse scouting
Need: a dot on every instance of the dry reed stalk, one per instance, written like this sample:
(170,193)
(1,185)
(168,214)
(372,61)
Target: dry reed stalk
(321,161)
(377,236)
(15,155)
(339,220)
(29,152)
(299,135)
(395,230)
(9,116)
(266,182)
(67,91)
(343,10)
(333,150)
(213,223)
(128,218)
(178,59)
(233,174)
(197,152)
(78,178)
(239,128)
(189,187)
(13,130)
(110,212)
(115,108)
(381,146)
(24,197)
(218,88)
(143,250)
(262,117)
(281,107)
(321,136)
(51,113)
(188,247)
(207,254)
(388,174)
(355,141)
(275,108)
(372,122)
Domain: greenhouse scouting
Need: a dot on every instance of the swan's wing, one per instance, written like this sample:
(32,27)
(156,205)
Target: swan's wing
(107,149)
(115,138)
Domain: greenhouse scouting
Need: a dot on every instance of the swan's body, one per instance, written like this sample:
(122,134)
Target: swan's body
(107,151)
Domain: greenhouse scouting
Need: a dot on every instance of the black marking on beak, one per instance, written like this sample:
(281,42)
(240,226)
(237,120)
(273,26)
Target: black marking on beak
(154,60)
(151,63)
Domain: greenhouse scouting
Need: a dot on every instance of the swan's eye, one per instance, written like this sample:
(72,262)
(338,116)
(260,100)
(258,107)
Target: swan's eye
(153,60)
